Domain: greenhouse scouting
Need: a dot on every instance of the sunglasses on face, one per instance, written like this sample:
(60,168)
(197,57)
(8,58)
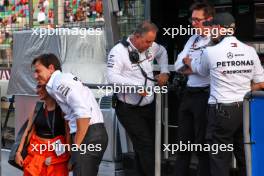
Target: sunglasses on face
(196,20)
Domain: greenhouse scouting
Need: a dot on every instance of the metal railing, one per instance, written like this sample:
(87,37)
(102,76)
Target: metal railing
(161,118)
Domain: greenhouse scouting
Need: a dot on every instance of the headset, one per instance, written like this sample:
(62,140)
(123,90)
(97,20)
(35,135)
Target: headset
(134,57)
(133,54)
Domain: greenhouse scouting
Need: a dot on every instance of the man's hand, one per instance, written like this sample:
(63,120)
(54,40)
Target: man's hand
(162,79)
(70,166)
(187,71)
(187,61)
(143,94)
(257,86)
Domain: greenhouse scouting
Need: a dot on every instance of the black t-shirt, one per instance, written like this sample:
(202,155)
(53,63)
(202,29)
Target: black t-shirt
(48,121)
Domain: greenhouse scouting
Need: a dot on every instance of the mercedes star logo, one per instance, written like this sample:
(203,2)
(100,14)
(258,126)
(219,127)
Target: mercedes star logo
(229,55)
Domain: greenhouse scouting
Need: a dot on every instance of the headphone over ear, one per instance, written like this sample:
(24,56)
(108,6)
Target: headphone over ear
(133,54)
(134,57)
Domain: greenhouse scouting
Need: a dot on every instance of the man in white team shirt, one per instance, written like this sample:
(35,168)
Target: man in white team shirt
(232,66)
(130,63)
(192,111)
(81,110)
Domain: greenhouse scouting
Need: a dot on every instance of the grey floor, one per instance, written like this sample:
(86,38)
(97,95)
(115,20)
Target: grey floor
(7,169)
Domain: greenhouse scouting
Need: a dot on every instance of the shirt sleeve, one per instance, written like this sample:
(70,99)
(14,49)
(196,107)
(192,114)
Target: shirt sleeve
(115,66)
(70,92)
(67,117)
(179,64)
(258,71)
(161,55)
(202,65)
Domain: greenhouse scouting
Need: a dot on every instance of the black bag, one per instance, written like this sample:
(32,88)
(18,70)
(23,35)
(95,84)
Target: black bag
(15,146)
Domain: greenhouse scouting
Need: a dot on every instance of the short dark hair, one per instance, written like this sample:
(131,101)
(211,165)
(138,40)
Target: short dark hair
(47,60)
(144,27)
(208,9)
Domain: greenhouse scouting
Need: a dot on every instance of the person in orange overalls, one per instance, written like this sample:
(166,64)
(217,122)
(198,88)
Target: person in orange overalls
(48,128)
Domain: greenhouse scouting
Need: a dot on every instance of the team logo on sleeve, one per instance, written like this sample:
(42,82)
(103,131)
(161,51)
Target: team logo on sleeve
(76,78)
(110,61)
(64,90)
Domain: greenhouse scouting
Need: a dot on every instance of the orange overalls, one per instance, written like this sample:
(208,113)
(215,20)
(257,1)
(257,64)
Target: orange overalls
(34,163)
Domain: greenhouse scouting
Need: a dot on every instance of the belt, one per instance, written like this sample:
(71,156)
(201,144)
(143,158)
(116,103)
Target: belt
(197,89)
(133,106)
(234,104)
(95,126)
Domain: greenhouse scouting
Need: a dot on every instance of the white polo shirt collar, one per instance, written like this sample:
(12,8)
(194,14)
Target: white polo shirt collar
(52,77)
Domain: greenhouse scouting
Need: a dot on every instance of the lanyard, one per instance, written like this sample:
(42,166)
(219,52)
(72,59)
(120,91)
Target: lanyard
(51,127)
(196,40)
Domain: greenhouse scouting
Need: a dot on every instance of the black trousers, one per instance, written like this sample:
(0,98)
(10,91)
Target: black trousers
(225,126)
(87,159)
(192,120)
(139,123)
